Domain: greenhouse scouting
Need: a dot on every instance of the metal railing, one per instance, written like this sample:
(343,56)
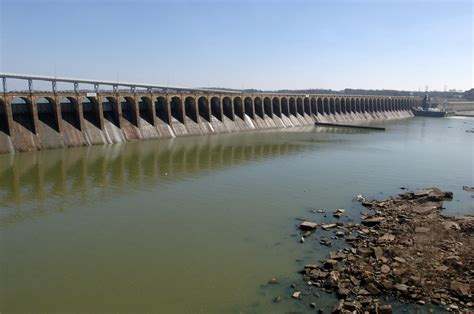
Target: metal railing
(150,87)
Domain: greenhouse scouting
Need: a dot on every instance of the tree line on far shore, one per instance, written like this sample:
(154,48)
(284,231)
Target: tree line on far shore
(468,95)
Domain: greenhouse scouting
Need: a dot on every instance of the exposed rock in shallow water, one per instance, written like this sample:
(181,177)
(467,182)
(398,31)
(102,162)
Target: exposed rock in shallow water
(308,225)
(296,295)
(328,226)
(407,250)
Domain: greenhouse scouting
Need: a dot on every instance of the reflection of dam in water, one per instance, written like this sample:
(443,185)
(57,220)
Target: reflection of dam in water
(94,173)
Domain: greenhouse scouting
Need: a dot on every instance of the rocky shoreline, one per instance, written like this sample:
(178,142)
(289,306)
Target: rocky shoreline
(405,249)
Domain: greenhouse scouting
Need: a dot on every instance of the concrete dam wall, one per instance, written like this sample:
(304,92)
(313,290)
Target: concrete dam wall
(36,121)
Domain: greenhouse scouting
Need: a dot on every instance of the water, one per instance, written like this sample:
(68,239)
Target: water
(200,224)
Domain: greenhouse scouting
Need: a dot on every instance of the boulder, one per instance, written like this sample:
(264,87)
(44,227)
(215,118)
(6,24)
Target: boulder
(372,221)
(378,252)
(339,213)
(400,259)
(401,287)
(372,288)
(365,251)
(308,225)
(385,309)
(338,308)
(460,288)
(387,237)
(317,274)
(296,295)
(343,293)
(332,280)
(422,230)
(337,255)
(330,264)
(328,226)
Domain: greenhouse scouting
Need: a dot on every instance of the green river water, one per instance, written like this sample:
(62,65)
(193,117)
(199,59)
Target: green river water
(200,224)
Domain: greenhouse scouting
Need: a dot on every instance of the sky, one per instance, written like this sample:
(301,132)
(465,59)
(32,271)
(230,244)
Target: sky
(270,45)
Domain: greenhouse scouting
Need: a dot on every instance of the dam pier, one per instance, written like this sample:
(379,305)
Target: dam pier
(36,120)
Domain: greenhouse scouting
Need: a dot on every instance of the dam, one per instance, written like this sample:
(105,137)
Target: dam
(36,120)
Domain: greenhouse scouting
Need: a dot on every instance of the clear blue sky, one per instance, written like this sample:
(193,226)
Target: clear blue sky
(244,44)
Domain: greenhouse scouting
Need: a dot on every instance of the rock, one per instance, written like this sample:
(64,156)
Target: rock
(420,193)
(426,208)
(422,229)
(363,292)
(339,234)
(311,266)
(442,268)
(387,237)
(320,211)
(317,274)
(338,308)
(296,295)
(385,309)
(400,259)
(397,272)
(302,240)
(432,194)
(354,281)
(308,225)
(348,306)
(468,188)
(372,289)
(328,226)
(276,299)
(385,269)
(364,251)
(451,225)
(312,305)
(365,300)
(372,221)
(440,195)
(378,252)
(454,307)
(325,242)
(343,293)
(339,213)
(337,255)
(330,264)
(332,279)
(401,287)
(307,234)
(387,284)
(273,281)
(462,289)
